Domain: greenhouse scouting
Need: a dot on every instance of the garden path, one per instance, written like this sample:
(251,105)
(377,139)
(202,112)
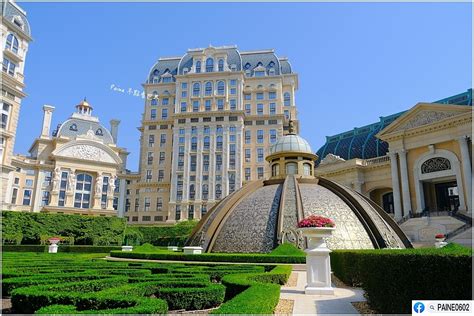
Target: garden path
(339,303)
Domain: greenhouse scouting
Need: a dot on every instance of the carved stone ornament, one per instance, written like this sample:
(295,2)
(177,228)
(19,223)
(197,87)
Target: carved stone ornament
(330,159)
(294,237)
(435,164)
(424,118)
(87,152)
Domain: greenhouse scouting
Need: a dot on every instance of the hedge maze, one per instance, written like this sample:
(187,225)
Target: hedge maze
(65,284)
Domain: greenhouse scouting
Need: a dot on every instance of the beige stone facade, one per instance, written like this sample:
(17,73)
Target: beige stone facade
(15,37)
(427,171)
(75,169)
(209,119)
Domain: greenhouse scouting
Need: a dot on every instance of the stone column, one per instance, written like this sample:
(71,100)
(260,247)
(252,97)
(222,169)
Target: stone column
(405,184)
(70,188)
(97,192)
(467,171)
(38,192)
(395,185)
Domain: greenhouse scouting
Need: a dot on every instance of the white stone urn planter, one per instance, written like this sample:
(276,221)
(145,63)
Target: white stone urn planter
(318,262)
(440,241)
(53,247)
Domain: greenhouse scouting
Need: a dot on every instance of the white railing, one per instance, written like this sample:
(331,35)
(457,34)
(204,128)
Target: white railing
(376,160)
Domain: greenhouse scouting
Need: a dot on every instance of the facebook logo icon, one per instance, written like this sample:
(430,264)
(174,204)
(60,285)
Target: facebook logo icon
(419,307)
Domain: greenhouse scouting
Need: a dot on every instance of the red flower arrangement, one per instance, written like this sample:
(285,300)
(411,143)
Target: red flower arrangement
(439,236)
(316,221)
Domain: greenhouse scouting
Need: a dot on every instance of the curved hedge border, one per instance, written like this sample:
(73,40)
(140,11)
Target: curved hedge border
(253,293)
(210,257)
(393,278)
(61,248)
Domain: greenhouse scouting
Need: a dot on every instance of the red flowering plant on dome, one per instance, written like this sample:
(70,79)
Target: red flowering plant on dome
(316,221)
(440,236)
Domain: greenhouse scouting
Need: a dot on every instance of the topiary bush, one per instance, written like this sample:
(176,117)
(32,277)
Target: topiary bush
(287,250)
(393,278)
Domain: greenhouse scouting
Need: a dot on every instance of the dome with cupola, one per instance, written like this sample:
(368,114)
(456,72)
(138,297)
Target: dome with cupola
(265,213)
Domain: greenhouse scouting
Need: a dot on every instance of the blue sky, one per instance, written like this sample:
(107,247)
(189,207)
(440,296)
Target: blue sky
(356,61)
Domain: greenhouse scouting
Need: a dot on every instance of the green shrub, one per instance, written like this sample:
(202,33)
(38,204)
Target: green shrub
(145,248)
(210,257)
(253,293)
(287,250)
(393,278)
(175,235)
(61,248)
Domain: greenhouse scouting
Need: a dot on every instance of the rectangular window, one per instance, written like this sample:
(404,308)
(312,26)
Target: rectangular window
(150,158)
(146,218)
(162,158)
(151,140)
(233,104)
(232,138)
(14,195)
(207,105)
(137,205)
(259,154)
(207,130)
(260,109)
(162,140)
(260,172)
(165,101)
(164,114)
(260,74)
(161,175)
(62,189)
(29,182)
(247,96)
(183,107)
(233,82)
(260,136)
(287,114)
(181,140)
(248,137)
(26,197)
(8,66)
(259,95)
(178,212)
(272,95)
(247,174)
(127,205)
(193,162)
(159,204)
(115,203)
(205,163)
(273,136)
(149,175)
(218,162)
(5,114)
(233,91)
(220,104)
(248,109)
(147,204)
(247,155)
(272,109)
(153,114)
(195,106)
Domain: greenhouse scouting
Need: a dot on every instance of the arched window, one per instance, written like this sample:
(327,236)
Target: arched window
(307,169)
(209,65)
(82,195)
(156,76)
(291,168)
(196,89)
(221,65)
(247,66)
(207,143)
(73,127)
(198,66)
(275,170)
(287,99)
(205,191)
(435,164)
(12,43)
(221,88)
(208,88)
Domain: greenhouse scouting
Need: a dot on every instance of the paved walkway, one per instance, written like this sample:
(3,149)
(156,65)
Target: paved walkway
(339,303)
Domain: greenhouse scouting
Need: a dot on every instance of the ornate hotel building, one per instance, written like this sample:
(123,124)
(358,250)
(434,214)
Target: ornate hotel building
(74,169)
(415,164)
(209,118)
(15,35)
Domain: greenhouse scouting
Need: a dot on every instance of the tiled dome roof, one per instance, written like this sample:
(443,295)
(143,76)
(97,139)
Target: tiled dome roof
(291,143)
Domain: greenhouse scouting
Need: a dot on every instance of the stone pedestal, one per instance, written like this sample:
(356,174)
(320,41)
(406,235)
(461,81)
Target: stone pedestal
(173,248)
(127,248)
(192,250)
(318,262)
(53,248)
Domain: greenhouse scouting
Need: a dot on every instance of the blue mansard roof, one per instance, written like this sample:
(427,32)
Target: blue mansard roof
(361,141)
(14,14)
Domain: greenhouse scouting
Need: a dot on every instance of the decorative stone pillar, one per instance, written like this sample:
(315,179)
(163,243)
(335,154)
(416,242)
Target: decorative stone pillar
(38,193)
(71,186)
(56,182)
(405,184)
(98,192)
(395,185)
(466,171)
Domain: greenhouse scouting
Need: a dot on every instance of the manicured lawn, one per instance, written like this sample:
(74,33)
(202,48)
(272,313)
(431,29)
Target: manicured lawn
(65,283)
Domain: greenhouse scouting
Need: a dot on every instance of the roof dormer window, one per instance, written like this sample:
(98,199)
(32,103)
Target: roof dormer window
(209,65)
(18,22)
(220,65)
(73,127)
(198,66)
(99,132)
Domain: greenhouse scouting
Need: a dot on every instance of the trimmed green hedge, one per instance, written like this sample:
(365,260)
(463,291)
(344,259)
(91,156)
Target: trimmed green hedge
(86,230)
(175,235)
(61,248)
(209,257)
(253,293)
(393,278)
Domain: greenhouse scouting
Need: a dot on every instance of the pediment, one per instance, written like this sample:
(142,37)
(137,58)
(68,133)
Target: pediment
(424,114)
(86,150)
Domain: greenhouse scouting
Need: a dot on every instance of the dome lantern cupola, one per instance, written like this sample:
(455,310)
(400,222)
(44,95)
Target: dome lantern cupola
(291,154)
(84,108)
